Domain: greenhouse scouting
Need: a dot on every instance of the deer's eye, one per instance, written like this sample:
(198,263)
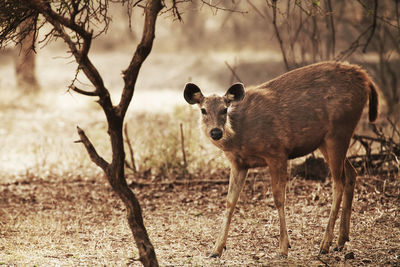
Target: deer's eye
(224,111)
(203,111)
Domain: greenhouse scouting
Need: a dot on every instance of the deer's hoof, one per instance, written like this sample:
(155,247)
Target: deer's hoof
(214,255)
(323,252)
(338,248)
(282,256)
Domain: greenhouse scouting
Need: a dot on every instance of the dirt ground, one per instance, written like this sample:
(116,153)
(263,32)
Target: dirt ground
(73,220)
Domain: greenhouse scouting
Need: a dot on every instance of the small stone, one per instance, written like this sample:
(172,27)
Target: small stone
(256,257)
(349,256)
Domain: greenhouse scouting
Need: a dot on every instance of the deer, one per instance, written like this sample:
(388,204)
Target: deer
(313,107)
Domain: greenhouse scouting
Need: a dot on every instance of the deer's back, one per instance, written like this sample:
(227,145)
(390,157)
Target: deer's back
(297,110)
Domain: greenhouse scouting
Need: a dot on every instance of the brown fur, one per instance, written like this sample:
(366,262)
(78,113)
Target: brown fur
(317,106)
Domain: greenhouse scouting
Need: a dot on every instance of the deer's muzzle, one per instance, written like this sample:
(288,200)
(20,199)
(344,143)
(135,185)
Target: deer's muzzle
(216,134)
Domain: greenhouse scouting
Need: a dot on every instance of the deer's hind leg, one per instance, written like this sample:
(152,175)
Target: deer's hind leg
(334,151)
(348,194)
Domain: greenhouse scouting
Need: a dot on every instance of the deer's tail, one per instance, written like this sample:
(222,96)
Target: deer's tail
(373,102)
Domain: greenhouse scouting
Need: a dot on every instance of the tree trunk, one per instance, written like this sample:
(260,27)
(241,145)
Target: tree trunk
(25,62)
(116,176)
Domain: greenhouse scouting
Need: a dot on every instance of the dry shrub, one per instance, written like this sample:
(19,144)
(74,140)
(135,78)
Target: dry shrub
(157,146)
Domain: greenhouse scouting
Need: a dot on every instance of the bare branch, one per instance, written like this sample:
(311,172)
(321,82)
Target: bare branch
(142,51)
(137,3)
(305,11)
(80,54)
(94,156)
(397,16)
(256,9)
(142,182)
(395,130)
(278,36)
(315,34)
(353,46)
(373,27)
(233,72)
(299,29)
(217,7)
(175,10)
(83,92)
(332,26)
(11,17)
(128,142)
(183,147)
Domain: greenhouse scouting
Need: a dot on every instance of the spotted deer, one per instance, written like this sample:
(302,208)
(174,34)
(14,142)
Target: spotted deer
(313,107)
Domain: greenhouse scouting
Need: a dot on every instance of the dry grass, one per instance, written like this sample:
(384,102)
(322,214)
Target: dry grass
(77,221)
(50,223)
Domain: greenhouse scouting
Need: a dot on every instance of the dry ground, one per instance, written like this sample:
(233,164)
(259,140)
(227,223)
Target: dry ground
(74,220)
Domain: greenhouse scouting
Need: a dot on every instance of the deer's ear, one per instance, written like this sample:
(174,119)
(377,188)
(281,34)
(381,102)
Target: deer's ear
(235,93)
(192,94)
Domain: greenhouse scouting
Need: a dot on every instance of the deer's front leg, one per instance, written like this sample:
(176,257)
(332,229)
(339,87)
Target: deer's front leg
(236,182)
(278,180)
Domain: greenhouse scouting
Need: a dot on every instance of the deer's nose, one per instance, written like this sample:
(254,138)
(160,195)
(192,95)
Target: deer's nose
(216,134)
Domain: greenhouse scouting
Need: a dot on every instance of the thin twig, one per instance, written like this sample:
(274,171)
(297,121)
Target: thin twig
(128,142)
(353,46)
(373,27)
(143,182)
(217,7)
(397,16)
(278,36)
(369,138)
(175,10)
(143,49)
(183,148)
(394,126)
(94,156)
(78,48)
(137,3)
(256,9)
(330,10)
(83,92)
(321,260)
(128,165)
(233,72)
(372,157)
(383,161)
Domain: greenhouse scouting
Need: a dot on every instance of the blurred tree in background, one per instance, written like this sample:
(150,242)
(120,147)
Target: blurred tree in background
(25,65)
